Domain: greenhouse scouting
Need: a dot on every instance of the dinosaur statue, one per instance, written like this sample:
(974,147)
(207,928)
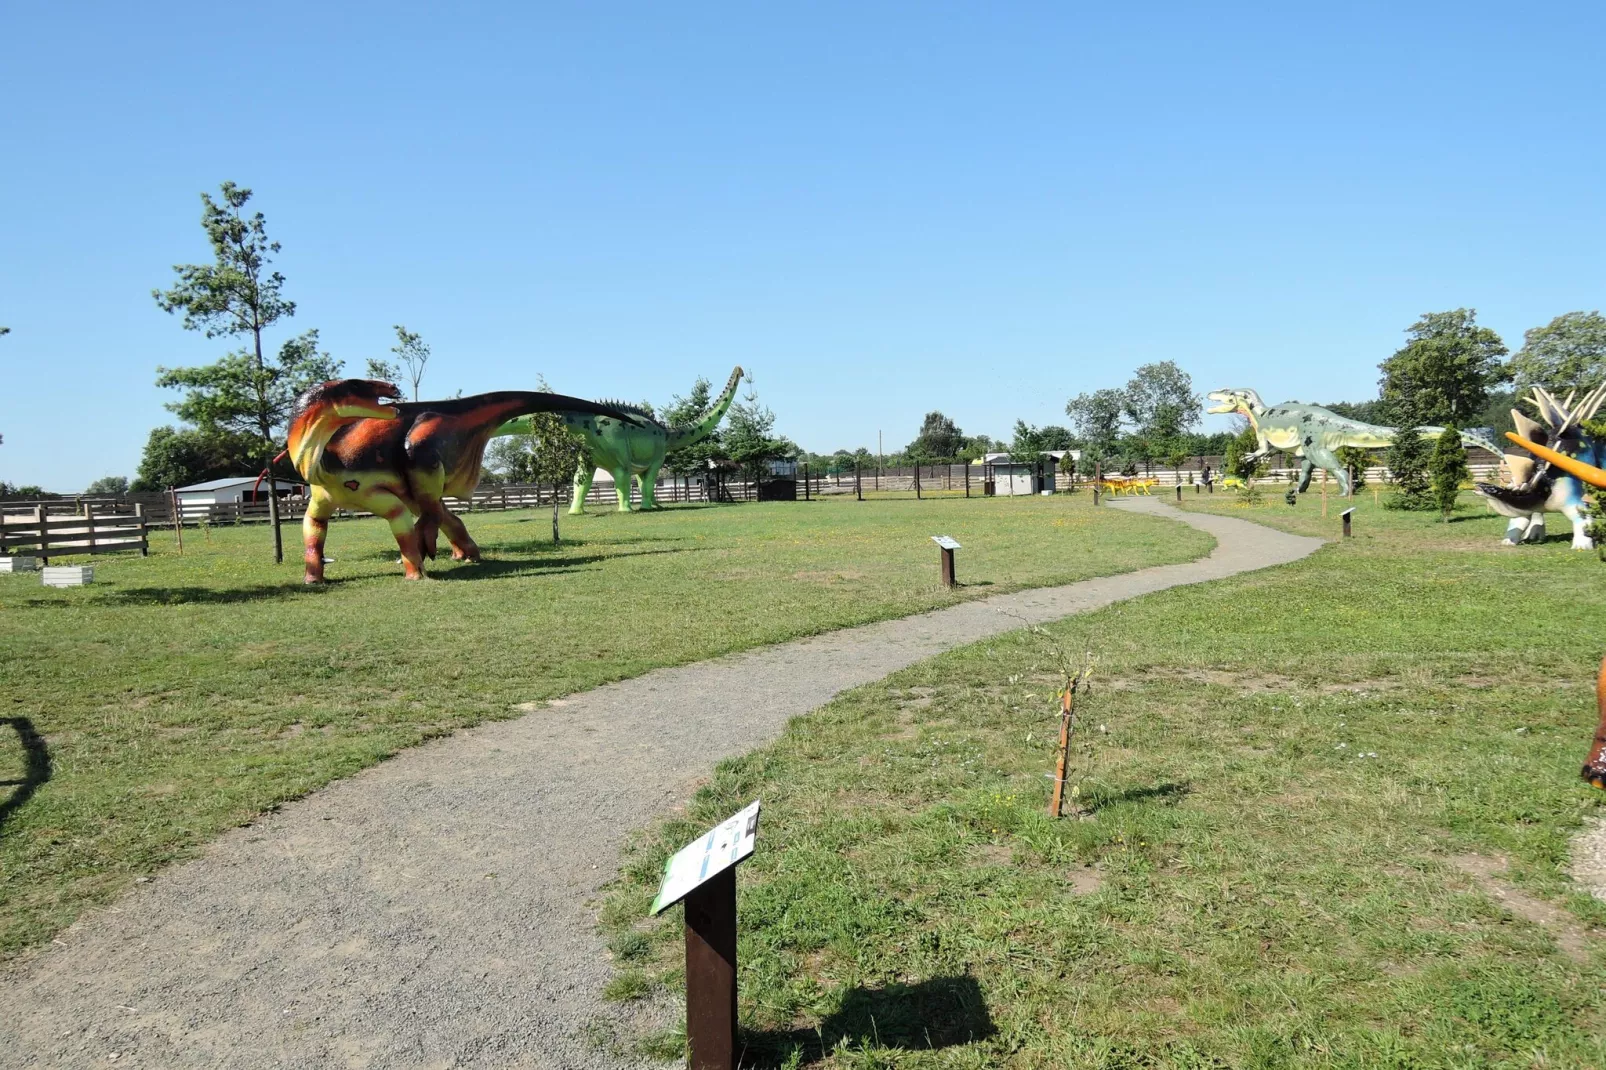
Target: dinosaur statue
(1532,488)
(1594,769)
(634,449)
(1315,434)
(358,449)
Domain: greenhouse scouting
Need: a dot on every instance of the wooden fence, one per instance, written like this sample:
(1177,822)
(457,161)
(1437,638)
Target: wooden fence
(92,532)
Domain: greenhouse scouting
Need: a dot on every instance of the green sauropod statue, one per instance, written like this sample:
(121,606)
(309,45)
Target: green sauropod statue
(626,450)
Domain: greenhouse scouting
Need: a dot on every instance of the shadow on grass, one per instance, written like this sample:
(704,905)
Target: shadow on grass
(497,568)
(939,1013)
(1168,793)
(36,770)
(173,596)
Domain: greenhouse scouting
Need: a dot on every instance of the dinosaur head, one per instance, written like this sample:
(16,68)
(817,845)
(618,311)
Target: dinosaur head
(358,399)
(1241,400)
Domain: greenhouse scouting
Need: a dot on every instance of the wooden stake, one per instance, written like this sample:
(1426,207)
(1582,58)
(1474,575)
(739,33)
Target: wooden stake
(1067,710)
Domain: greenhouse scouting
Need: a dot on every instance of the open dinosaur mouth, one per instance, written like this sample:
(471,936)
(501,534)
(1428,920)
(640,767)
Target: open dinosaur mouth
(1225,403)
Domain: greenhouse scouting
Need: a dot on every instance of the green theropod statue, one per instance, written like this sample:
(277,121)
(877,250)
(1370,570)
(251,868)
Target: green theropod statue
(1315,434)
(625,450)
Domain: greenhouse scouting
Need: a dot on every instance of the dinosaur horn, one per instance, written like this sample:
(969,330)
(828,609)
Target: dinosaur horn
(1595,477)
(1592,403)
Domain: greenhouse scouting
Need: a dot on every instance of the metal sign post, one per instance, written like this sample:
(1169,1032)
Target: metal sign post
(703,874)
(1098,476)
(1346,514)
(946,563)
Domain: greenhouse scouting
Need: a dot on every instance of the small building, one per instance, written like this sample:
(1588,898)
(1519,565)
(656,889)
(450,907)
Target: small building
(197,497)
(1022,477)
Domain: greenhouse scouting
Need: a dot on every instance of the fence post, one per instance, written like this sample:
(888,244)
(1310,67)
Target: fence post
(144,531)
(1098,479)
(858,483)
(806,482)
(89,522)
(917,482)
(44,535)
(967,479)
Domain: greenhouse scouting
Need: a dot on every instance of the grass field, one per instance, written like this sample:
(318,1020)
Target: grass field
(181,695)
(1327,826)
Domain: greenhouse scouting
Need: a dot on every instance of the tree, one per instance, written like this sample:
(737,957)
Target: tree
(108,486)
(1448,467)
(386,371)
(236,296)
(750,436)
(413,352)
(555,453)
(1239,461)
(240,395)
(1444,373)
(177,457)
(1408,469)
(1097,419)
(1566,354)
(1367,412)
(1357,461)
(938,442)
(1161,403)
(686,412)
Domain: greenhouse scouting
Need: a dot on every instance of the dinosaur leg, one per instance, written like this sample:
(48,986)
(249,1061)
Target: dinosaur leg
(464,548)
(1595,765)
(1536,528)
(649,486)
(621,487)
(314,529)
(396,513)
(1581,540)
(1516,530)
(582,486)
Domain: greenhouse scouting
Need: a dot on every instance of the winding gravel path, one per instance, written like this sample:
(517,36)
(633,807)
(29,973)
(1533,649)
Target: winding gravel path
(436,910)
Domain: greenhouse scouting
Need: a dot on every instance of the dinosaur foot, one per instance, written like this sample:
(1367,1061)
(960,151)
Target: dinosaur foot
(1291,497)
(1595,772)
(465,555)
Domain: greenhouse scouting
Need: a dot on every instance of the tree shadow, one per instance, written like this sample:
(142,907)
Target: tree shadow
(173,596)
(938,1013)
(36,770)
(1168,793)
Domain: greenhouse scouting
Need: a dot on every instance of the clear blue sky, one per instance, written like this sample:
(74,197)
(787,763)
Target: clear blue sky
(879,209)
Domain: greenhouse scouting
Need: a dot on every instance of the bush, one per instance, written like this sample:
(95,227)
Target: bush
(1408,470)
(1448,466)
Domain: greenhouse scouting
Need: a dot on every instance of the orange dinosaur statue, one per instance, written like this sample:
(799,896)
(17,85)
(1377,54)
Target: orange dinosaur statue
(359,448)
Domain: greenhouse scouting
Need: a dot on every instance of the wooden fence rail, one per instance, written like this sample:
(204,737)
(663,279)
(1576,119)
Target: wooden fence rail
(94,532)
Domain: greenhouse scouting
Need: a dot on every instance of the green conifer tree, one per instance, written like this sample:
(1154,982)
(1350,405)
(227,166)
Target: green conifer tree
(1448,468)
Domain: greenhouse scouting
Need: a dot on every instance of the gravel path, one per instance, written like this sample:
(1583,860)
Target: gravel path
(436,910)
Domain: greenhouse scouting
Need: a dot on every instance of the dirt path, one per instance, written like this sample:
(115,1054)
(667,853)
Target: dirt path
(433,911)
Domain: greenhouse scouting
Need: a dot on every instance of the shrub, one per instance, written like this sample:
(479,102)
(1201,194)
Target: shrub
(1408,470)
(1448,467)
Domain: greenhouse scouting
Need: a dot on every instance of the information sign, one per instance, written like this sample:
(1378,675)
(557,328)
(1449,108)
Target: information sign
(708,856)
(947,542)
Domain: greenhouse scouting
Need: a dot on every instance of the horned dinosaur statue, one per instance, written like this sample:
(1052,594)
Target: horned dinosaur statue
(1534,487)
(1594,769)
(358,449)
(1315,434)
(636,449)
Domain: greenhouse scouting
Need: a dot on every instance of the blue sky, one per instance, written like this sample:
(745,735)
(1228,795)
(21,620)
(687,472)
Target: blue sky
(879,209)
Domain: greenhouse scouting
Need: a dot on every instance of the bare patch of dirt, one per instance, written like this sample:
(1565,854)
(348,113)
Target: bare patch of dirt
(991,854)
(1589,858)
(1569,933)
(1085,880)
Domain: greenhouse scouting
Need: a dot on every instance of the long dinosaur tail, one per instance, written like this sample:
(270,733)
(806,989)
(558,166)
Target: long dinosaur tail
(681,437)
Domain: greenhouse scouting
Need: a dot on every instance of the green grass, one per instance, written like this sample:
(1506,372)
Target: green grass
(1249,886)
(181,695)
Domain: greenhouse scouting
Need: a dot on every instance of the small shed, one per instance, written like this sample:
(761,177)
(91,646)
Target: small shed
(1011,476)
(197,496)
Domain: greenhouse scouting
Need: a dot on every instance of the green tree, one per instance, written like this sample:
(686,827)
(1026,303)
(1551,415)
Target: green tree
(1096,417)
(1357,461)
(1238,460)
(750,439)
(687,411)
(108,486)
(938,442)
(1445,371)
(1161,403)
(1408,470)
(237,296)
(386,371)
(1447,468)
(1367,412)
(413,352)
(177,457)
(1566,354)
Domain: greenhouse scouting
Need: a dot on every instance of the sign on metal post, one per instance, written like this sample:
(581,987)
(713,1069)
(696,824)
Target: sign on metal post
(703,874)
(947,545)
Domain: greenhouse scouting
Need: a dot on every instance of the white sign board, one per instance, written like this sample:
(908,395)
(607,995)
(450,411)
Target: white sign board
(1348,511)
(945,541)
(707,856)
